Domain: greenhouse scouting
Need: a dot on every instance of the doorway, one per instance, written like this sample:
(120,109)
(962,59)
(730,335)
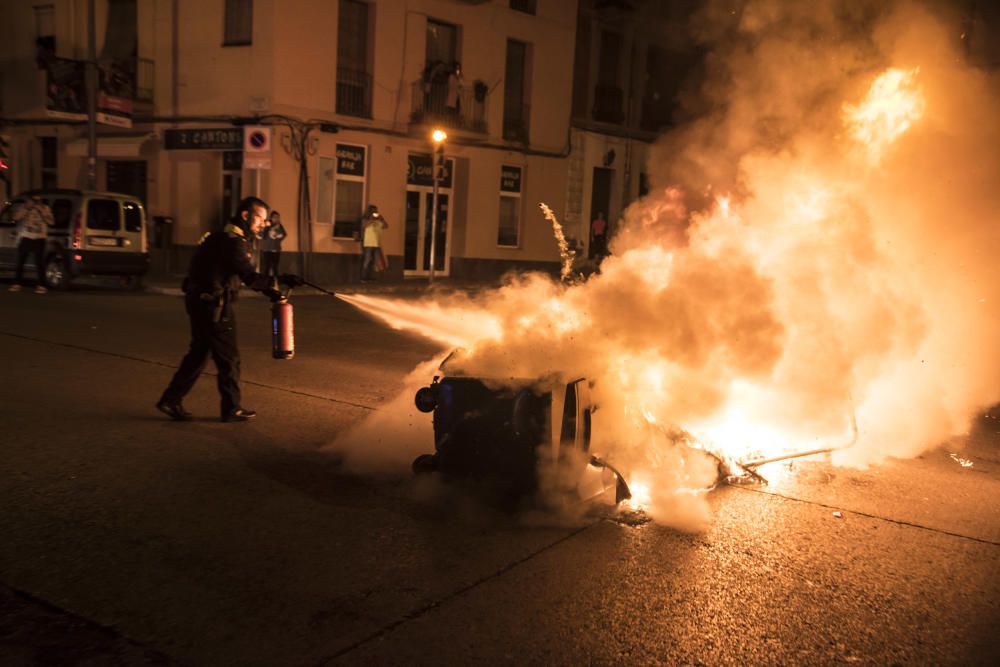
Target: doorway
(600,201)
(417,239)
(232,187)
(441,45)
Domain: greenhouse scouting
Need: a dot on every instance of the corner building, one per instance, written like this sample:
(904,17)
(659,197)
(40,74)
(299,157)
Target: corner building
(346,93)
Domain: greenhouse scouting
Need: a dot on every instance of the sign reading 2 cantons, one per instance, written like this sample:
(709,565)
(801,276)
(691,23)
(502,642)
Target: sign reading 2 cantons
(257,147)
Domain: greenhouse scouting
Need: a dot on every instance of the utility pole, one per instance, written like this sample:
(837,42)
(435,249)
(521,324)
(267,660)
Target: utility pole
(91,97)
(438,164)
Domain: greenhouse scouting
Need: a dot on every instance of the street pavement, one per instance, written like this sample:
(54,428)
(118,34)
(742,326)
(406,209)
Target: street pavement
(129,539)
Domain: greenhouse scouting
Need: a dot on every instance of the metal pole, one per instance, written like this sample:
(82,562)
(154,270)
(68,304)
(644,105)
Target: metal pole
(434,221)
(91,97)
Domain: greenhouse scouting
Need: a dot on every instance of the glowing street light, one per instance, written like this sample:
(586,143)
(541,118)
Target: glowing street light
(438,136)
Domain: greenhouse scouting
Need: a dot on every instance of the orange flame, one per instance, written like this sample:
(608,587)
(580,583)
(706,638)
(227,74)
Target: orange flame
(894,101)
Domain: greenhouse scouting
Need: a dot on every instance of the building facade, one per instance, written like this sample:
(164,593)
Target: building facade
(339,97)
(633,60)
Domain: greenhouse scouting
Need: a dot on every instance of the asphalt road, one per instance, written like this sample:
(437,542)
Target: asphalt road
(128,539)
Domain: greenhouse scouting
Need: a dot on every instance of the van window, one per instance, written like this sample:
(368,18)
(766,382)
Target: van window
(133,217)
(103,214)
(62,211)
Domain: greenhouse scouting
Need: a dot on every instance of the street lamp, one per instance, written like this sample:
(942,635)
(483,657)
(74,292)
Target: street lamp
(438,137)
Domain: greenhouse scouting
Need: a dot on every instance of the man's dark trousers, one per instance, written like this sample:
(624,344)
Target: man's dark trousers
(209,335)
(35,248)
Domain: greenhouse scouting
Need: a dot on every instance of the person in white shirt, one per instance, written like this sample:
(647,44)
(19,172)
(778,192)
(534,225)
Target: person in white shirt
(33,219)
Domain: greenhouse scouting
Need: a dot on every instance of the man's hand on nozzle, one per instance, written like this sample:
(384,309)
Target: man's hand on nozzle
(273,294)
(291,280)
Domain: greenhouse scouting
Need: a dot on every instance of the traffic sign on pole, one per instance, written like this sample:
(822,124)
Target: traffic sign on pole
(257,147)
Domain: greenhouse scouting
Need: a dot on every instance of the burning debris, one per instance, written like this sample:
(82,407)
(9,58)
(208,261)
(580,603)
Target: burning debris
(566,254)
(965,463)
(814,248)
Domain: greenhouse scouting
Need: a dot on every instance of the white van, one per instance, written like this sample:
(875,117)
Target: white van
(93,233)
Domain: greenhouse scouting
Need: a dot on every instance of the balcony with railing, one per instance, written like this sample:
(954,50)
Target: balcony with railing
(456,107)
(354,92)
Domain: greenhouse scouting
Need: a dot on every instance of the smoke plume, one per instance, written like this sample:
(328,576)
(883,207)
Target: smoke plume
(818,248)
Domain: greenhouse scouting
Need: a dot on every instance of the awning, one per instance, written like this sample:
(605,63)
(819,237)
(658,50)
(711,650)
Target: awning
(126,145)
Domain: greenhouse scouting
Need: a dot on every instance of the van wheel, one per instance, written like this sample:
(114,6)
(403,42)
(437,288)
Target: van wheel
(55,272)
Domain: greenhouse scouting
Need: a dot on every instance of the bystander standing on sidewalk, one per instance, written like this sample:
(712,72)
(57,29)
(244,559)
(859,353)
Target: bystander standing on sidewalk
(270,245)
(599,237)
(33,219)
(372,259)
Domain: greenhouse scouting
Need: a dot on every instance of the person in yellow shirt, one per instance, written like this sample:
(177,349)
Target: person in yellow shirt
(372,259)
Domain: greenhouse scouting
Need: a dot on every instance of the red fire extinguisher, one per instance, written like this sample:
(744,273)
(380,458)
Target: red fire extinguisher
(282,330)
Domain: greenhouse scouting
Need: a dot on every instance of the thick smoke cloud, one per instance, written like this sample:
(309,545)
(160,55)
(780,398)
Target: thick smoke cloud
(882,276)
(790,275)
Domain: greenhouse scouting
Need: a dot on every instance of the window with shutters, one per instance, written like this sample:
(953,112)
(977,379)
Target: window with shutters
(354,79)
(239,23)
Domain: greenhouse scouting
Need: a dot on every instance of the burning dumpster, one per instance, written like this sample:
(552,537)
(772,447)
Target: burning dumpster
(515,438)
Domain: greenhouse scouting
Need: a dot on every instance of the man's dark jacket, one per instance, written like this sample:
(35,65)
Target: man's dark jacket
(220,261)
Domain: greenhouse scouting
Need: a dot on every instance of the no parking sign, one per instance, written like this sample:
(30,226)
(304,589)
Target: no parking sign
(257,147)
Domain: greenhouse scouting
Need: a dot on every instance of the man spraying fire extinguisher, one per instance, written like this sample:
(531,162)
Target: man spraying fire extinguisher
(221,261)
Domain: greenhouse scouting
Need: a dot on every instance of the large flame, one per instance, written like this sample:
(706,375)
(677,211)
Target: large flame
(818,295)
(893,103)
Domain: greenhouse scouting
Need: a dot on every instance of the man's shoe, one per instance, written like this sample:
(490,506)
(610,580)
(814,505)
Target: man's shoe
(175,411)
(41,289)
(238,415)
(14,288)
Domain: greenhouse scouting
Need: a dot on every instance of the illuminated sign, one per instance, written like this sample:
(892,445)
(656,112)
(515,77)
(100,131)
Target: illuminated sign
(420,170)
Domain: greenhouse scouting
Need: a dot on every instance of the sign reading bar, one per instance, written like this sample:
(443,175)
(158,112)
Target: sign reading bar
(350,160)
(510,179)
(420,170)
(205,139)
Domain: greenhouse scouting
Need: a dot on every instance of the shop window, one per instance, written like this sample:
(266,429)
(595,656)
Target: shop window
(509,227)
(341,189)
